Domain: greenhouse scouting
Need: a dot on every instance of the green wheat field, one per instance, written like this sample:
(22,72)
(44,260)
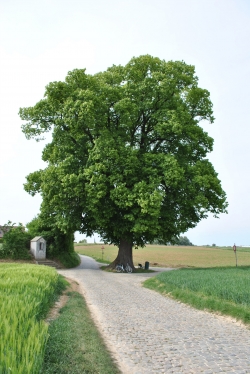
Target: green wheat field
(26,293)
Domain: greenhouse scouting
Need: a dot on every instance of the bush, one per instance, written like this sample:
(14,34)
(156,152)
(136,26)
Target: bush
(69,260)
(16,243)
(57,242)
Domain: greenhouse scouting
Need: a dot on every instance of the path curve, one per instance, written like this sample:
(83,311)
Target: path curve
(149,333)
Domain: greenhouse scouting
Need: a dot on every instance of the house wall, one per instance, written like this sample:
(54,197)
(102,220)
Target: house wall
(33,248)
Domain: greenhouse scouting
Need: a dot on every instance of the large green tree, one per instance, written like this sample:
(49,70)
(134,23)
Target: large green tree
(128,156)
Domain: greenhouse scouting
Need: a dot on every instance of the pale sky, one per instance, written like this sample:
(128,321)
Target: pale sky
(40,41)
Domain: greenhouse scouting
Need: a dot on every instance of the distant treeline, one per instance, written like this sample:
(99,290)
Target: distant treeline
(182,240)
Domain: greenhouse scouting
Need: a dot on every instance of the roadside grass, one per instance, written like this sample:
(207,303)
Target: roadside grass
(26,294)
(75,345)
(172,256)
(102,261)
(223,289)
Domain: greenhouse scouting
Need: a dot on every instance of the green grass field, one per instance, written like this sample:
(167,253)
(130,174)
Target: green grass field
(222,289)
(172,256)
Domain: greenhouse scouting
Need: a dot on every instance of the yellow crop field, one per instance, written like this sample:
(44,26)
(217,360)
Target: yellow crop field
(172,256)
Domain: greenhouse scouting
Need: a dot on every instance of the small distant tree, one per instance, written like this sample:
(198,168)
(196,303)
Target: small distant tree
(183,240)
(213,245)
(84,241)
(157,242)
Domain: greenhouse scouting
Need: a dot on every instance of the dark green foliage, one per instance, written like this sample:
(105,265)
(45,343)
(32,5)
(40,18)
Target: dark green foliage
(58,242)
(16,242)
(68,259)
(60,245)
(74,345)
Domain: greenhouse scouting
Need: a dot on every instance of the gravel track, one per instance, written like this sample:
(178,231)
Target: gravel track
(149,333)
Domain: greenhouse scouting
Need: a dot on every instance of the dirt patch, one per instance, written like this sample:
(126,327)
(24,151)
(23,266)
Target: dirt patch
(55,310)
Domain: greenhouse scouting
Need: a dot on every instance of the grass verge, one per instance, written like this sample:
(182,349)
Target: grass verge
(223,290)
(75,345)
(100,260)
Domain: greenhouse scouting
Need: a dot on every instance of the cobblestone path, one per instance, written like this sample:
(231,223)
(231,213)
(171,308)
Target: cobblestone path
(149,333)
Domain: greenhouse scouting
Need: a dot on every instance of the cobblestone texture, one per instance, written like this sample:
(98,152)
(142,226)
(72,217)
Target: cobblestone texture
(149,333)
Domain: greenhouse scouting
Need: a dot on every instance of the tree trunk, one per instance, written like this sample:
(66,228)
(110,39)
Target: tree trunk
(125,254)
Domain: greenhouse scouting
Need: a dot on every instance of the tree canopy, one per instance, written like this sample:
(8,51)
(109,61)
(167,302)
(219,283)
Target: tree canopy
(128,155)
